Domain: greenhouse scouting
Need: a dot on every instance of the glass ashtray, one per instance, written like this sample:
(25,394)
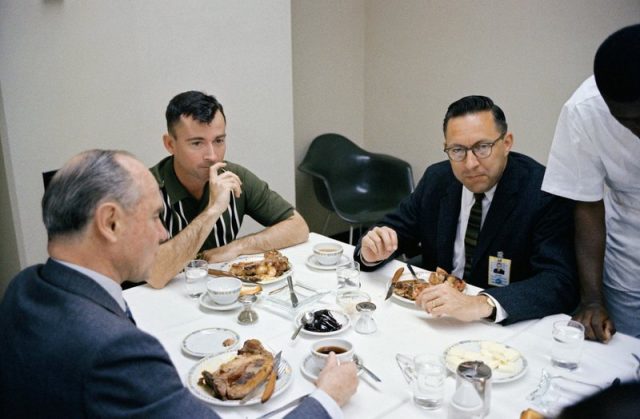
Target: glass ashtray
(554,392)
(306,295)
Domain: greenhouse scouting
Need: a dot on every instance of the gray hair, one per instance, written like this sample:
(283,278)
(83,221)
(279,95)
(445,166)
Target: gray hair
(76,190)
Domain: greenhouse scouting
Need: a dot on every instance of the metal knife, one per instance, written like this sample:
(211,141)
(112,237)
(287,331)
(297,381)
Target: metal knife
(395,278)
(292,293)
(260,387)
(289,405)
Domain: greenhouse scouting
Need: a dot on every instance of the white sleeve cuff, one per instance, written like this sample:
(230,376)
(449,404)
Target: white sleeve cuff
(328,403)
(501,313)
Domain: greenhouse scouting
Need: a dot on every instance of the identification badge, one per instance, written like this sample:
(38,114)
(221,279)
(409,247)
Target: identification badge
(499,270)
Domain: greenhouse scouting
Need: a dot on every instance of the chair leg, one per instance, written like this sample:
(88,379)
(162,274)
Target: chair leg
(326,224)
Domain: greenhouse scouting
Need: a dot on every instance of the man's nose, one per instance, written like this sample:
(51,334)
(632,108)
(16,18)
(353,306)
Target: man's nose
(163,235)
(210,153)
(471,160)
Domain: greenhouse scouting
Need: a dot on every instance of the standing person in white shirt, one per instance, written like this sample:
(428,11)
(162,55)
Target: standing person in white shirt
(595,160)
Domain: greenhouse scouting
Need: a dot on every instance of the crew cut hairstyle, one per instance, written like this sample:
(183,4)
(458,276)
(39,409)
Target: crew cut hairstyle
(194,104)
(617,65)
(76,190)
(475,104)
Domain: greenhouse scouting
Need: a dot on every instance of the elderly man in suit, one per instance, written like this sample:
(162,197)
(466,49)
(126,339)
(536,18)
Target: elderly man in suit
(483,217)
(68,345)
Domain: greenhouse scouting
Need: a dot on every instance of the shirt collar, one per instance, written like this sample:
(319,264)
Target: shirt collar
(170,181)
(468,199)
(109,285)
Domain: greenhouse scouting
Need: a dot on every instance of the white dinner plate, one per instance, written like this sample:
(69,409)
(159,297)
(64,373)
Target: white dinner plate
(340,317)
(226,266)
(212,363)
(206,302)
(210,341)
(311,371)
(313,263)
(497,376)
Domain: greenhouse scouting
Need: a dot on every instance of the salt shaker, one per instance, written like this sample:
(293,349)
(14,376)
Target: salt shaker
(366,324)
(247,315)
(472,398)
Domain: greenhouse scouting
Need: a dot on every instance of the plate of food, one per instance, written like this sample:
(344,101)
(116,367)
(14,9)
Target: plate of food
(406,289)
(210,341)
(507,363)
(225,379)
(264,269)
(326,322)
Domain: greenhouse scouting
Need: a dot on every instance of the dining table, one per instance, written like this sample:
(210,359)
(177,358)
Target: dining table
(170,315)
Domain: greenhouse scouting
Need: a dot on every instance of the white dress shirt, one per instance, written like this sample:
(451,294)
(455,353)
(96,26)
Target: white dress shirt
(466,203)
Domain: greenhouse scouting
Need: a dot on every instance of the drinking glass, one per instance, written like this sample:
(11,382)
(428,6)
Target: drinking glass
(568,338)
(195,274)
(428,384)
(348,276)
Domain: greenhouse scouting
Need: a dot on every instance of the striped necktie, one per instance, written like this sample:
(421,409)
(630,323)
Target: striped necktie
(473,231)
(128,312)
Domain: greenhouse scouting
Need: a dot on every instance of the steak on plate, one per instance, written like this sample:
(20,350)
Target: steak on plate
(410,289)
(274,264)
(238,377)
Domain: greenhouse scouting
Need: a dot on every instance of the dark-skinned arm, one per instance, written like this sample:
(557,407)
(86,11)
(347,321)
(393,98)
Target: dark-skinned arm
(590,237)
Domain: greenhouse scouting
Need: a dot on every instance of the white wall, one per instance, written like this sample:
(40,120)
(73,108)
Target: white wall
(328,86)
(528,55)
(85,74)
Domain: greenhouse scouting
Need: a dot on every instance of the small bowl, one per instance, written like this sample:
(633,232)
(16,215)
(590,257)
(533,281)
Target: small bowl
(348,300)
(224,290)
(327,253)
(341,347)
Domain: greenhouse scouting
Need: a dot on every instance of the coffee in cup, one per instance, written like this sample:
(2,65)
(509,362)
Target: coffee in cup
(321,349)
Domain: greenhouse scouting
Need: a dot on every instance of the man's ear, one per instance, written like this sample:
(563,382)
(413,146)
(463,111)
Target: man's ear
(169,143)
(108,221)
(508,141)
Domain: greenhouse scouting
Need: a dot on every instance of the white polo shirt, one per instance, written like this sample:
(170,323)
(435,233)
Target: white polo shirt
(594,157)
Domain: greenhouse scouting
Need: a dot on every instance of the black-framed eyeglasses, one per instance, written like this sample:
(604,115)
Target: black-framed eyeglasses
(481,150)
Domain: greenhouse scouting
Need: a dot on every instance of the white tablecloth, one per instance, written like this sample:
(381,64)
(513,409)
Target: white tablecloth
(169,315)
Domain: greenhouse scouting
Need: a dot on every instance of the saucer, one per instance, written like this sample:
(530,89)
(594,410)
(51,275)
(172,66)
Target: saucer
(207,302)
(311,371)
(314,264)
(210,341)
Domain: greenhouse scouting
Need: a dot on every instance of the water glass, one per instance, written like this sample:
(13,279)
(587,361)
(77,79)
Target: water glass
(348,276)
(195,274)
(568,338)
(428,384)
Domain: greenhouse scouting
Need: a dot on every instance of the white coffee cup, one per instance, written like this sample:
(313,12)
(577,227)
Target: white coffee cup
(327,253)
(224,290)
(320,351)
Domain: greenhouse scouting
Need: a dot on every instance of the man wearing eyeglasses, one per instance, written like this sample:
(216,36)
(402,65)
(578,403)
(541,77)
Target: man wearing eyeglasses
(482,217)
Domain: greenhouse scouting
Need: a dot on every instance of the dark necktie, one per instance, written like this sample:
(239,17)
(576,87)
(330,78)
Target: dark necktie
(473,231)
(128,312)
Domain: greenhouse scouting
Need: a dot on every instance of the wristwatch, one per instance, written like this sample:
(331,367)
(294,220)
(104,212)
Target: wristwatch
(491,304)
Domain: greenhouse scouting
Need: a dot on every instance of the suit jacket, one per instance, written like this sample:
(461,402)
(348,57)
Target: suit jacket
(531,227)
(68,350)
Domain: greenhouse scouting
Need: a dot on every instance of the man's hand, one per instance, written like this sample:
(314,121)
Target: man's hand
(597,323)
(443,299)
(222,253)
(338,381)
(221,185)
(378,244)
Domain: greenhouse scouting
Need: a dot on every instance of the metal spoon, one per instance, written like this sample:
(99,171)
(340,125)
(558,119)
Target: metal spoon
(305,319)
